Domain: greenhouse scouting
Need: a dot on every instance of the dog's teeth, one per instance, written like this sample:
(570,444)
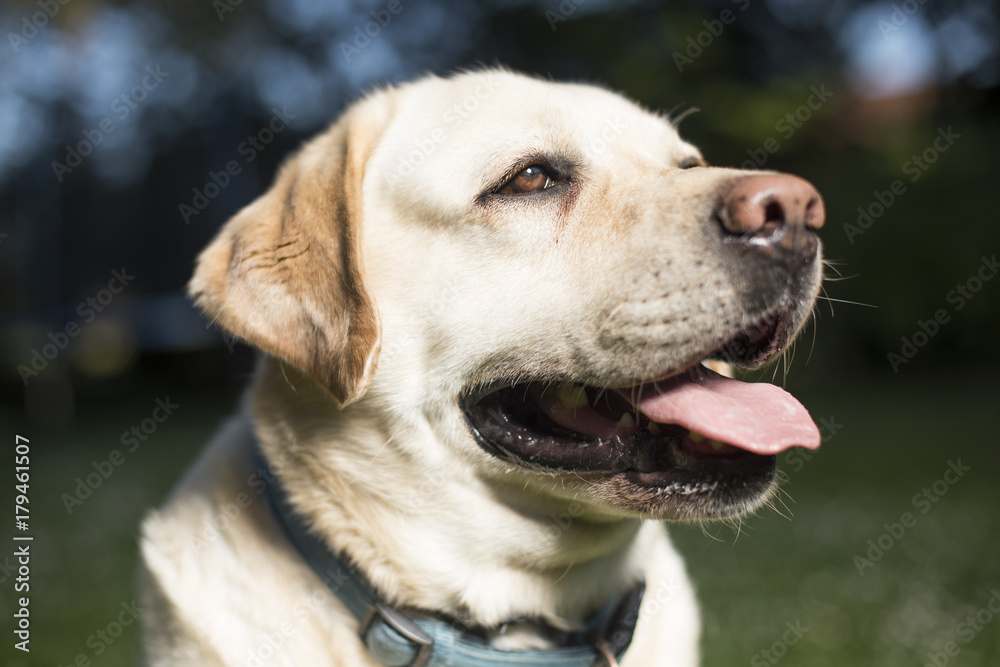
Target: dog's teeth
(627,421)
(695,437)
(653,427)
(571,395)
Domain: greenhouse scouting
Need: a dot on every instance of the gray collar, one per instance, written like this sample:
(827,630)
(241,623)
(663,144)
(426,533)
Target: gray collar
(394,639)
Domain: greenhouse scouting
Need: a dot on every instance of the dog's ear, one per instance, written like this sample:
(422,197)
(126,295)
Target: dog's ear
(286,273)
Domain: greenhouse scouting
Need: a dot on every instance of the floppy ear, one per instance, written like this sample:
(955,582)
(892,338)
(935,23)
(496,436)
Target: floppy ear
(286,273)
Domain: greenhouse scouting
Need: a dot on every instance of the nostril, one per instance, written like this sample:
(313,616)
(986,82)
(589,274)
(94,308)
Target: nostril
(774,212)
(815,212)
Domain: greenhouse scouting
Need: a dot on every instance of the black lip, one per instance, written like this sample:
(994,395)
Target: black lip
(512,428)
(758,343)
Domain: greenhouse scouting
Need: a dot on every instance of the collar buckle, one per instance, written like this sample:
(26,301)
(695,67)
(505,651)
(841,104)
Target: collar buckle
(402,624)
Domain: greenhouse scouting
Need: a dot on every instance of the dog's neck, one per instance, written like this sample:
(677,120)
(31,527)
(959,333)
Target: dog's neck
(427,525)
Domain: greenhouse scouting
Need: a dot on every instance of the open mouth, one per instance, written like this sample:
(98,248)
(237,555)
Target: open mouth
(756,344)
(696,433)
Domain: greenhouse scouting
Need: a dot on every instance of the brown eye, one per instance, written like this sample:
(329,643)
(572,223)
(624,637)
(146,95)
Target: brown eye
(529,179)
(691,162)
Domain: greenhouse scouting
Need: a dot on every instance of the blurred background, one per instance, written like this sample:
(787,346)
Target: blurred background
(117,121)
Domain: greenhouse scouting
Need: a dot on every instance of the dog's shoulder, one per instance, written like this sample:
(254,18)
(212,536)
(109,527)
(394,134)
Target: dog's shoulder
(203,493)
(213,552)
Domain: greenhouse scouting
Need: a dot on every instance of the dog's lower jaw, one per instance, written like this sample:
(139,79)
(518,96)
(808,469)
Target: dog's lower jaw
(704,502)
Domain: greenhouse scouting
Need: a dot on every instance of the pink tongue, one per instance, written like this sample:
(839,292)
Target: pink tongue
(755,416)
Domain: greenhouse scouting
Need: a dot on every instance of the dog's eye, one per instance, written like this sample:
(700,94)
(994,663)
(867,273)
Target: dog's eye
(691,162)
(529,179)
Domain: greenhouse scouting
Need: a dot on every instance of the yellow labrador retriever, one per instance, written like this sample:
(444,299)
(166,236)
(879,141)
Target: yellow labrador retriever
(488,306)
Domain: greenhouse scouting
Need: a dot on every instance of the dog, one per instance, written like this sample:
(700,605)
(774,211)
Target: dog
(498,316)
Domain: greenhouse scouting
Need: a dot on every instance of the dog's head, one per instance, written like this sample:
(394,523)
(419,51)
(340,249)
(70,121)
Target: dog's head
(533,277)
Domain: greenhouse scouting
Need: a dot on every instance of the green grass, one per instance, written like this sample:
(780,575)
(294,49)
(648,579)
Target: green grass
(910,602)
(83,564)
(893,441)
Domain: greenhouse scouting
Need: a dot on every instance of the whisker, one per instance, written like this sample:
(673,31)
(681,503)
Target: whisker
(788,358)
(777,499)
(614,311)
(565,572)
(827,299)
(704,531)
(676,121)
(853,303)
(815,326)
(839,278)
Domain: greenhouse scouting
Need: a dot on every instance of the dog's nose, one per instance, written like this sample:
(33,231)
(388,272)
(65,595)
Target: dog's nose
(774,214)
